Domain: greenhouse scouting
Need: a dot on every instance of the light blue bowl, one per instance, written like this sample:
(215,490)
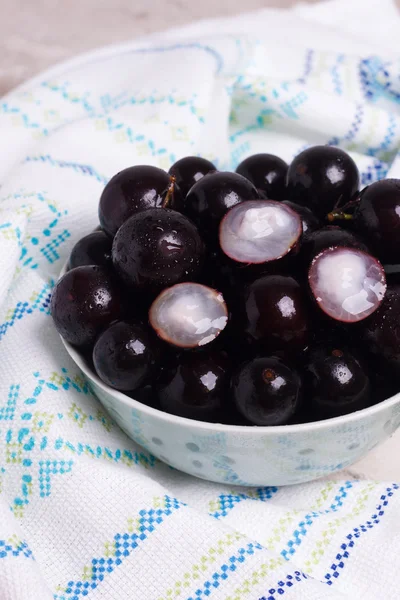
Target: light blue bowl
(253,456)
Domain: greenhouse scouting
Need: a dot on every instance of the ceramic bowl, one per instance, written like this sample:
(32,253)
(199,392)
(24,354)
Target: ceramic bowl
(251,456)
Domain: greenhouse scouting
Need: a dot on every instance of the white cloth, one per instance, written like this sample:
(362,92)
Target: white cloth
(84,512)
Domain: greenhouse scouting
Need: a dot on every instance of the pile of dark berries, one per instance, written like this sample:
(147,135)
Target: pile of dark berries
(268,296)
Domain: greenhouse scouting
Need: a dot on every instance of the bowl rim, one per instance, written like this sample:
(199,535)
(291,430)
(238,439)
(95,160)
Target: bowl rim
(370,411)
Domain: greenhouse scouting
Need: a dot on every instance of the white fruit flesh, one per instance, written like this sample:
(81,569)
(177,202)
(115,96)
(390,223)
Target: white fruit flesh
(188,315)
(348,284)
(259,231)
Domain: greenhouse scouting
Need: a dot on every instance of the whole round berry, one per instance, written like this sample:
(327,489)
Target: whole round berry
(347,284)
(266,391)
(211,197)
(189,170)
(276,314)
(267,172)
(336,382)
(392,273)
(133,190)
(320,177)
(84,301)
(125,354)
(157,248)
(196,388)
(93,249)
(381,332)
(377,218)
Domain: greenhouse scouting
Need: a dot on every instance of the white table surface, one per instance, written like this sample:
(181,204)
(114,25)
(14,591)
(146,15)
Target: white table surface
(39,33)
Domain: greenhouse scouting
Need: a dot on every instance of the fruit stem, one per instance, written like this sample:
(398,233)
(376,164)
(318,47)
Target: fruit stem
(337,353)
(170,192)
(339,216)
(338,202)
(352,202)
(269,375)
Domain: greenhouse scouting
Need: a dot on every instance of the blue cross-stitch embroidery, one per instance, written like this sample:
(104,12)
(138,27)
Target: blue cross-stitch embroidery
(228,567)
(121,548)
(63,164)
(41,303)
(228,501)
(346,547)
(48,468)
(8,549)
(302,529)
(7,412)
(284,585)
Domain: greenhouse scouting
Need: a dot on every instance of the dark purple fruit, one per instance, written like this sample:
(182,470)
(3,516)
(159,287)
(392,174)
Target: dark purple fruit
(384,380)
(267,172)
(266,391)
(377,218)
(320,177)
(276,314)
(392,273)
(84,301)
(189,170)
(93,249)
(157,248)
(309,221)
(259,231)
(381,332)
(316,241)
(145,395)
(133,190)
(211,197)
(197,388)
(124,355)
(336,382)
(347,284)
(188,315)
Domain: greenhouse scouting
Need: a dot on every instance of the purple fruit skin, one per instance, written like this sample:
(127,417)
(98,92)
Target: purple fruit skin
(132,190)
(84,301)
(276,315)
(125,355)
(189,170)
(381,331)
(377,218)
(321,176)
(336,382)
(196,388)
(256,397)
(92,249)
(155,249)
(267,172)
